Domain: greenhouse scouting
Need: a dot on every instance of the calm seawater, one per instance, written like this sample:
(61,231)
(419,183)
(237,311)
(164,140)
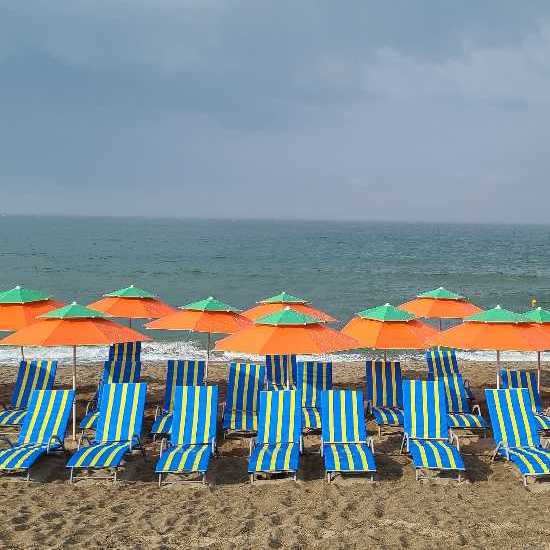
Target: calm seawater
(341,267)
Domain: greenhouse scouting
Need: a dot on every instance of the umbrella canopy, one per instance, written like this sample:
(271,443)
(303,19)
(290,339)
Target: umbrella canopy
(440,304)
(389,328)
(540,317)
(280,301)
(20,306)
(287,332)
(132,303)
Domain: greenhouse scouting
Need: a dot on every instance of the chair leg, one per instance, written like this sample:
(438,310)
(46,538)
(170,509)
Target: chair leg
(28,475)
(71,478)
(251,479)
(115,476)
(379,432)
(329,477)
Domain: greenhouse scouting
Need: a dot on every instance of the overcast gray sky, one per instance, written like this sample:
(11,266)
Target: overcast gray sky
(405,110)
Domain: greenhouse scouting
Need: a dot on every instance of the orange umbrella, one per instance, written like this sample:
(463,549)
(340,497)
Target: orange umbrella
(210,316)
(73,325)
(440,304)
(132,303)
(279,302)
(497,330)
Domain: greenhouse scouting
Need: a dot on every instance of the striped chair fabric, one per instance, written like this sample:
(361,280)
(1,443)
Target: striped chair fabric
(43,429)
(527,379)
(442,362)
(278,374)
(193,436)
(240,412)
(118,428)
(311,379)
(460,414)
(31,375)
(344,443)
(515,431)
(178,373)
(426,429)
(128,351)
(278,443)
(384,392)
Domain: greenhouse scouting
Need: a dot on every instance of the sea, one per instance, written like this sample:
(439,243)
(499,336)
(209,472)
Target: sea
(341,267)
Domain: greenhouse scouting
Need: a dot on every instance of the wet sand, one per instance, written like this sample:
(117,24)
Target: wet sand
(491,508)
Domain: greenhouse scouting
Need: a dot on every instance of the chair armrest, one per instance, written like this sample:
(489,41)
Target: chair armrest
(466,383)
(453,436)
(157,411)
(370,443)
(476,410)
(546,444)
(53,440)
(251,445)
(214,446)
(83,438)
(6,439)
(89,404)
(162,445)
(301,444)
(321,447)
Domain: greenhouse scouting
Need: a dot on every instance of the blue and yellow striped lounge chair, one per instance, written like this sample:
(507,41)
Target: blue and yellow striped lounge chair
(193,435)
(459,413)
(528,379)
(240,410)
(277,372)
(178,373)
(426,431)
(345,446)
(118,429)
(128,351)
(515,431)
(442,362)
(113,373)
(32,375)
(278,445)
(42,432)
(312,377)
(384,393)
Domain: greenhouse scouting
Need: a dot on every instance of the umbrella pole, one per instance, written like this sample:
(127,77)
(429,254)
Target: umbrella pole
(440,324)
(22,353)
(385,356)
(130,322)
(207,357)
(74,388)
(498,370)
(539,368)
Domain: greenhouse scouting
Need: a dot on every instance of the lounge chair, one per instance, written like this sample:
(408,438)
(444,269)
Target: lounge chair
(240,410)
(128,351)
(277,372)
(442,362)
(345,446)
(193,435)
(384,393)
(32,375)
(119,372)
(515,431)
(178,373)
(426,431)
(278,445)
(528,379)
(312,377)
(118,429)
(42,432)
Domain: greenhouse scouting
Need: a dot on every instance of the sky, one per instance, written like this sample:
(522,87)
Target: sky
(358,110)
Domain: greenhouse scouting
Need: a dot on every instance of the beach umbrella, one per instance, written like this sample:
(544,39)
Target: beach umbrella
(73,325)
(132,303)
(20,306)
(208,316)
(539,317)
(496,329)
(389,328)
(280,301)
(440,304)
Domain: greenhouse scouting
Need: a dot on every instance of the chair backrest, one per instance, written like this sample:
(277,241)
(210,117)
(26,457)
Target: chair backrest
(441,362)
(456,396)
(244,383)
(121,409)
(277,369)
(32,375)
(195,410)
(280,417)
(384,384)
(47,416)
(311,378)
(343,416)
(117,372)
(182,373)
(425,409)
(512,418)
(527,379)
(125,352)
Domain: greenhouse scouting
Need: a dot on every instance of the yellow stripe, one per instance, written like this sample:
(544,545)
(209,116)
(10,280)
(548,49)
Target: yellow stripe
(35,414)
(133,412)
(83,456)
(343,396)
(14,455)
(362,456)
(195,418)
(260,459)
(171,457)
(120,411)
(355,417)
(20,462)
(393,367)
(26,369)
(537,458)
(256,390)
(109,459)
(110,398)
(413,408)
(423,456)
(435,451)
(501,424)
(274,455)
(331,415)
(426,423)
(446,385)
(524,460)
(349,456)
(280,408)
(198,458)
(288,453)
(292,416)
(46,417)
(512,416)
(525,419)
(173,383)
(374,383)
(267,416)
(437,412)
(313,389)
(102,452)
(238,370)
(207,420)
(337,465)
(531,391)
(133,367)
(183,418)
(384,385)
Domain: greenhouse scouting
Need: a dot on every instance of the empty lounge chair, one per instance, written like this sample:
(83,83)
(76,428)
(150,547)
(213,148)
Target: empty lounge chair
(279,370)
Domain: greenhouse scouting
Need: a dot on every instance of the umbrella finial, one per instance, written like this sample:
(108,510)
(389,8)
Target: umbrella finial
(387,304)
(498,306)
(132,286)
(18,287)
(73,303)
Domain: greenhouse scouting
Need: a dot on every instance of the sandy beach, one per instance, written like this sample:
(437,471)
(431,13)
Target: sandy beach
(491,508)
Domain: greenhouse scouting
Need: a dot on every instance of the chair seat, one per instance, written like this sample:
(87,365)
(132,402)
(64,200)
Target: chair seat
(184,458)
(435,454)
(543,421)
(529,460)
(89,422)
(99,455)
(276,457)
(241,421)
(311,418)
(162,424)
(21,457)
(388,416)
(348,457)
(466,420)
(12,417)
